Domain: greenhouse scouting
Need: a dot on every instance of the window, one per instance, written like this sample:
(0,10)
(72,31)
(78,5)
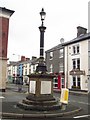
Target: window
(25,71)
(76,63)
(74,81)
(29,71)
(61,53)
(29,65)
(76,49)
(51,68)
(33,68)
(62,79)
(26,66)
(78,81)
(51,55)
(55,82)
(61,67)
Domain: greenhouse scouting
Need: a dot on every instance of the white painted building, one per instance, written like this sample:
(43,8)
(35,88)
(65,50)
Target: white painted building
(34,64)
(29,67)
(77,62)
(26,71)
(11,71)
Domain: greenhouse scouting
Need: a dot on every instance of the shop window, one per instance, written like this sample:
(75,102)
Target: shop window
(78,81)
(62,79)
(55,82)
(74,81)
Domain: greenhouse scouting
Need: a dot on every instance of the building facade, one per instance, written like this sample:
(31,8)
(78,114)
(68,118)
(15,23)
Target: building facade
(55,65)
(77,61)
(26,71)
(18,71)
(4,27)
(11,71)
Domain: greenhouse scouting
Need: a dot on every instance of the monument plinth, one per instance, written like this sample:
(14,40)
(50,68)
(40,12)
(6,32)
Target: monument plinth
(40,95)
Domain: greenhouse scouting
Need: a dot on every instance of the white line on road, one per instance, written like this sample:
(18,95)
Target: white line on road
(81,116)
(79,102)
(2,97)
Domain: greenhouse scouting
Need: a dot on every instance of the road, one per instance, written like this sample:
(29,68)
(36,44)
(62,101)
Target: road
(82,101)
(77,100)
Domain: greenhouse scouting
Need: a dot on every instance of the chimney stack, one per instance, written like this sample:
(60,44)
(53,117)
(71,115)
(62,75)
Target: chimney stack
(81,31)
(27,59)
(34,57)
(23,58)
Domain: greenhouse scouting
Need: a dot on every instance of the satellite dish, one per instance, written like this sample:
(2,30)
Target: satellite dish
(62,40)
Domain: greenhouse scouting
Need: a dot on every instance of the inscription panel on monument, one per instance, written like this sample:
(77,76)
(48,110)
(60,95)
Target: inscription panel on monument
(45,87)
(32,87)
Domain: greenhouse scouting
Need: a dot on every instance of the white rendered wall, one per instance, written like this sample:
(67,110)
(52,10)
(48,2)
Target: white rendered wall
(83,63)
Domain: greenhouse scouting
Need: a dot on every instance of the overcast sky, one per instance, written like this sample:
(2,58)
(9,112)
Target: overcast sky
(62,19)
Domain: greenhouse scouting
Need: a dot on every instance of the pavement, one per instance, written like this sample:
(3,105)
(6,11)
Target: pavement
(12,96)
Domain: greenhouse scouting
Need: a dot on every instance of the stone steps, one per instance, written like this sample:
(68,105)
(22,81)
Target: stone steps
(39,107)
(45,103)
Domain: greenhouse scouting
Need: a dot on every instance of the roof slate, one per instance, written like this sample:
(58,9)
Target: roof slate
(78,39)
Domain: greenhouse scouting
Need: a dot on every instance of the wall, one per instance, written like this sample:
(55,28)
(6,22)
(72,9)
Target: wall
(83,63)
(4,38)
(89,16)
(88,65)
(54,61)
(3,77)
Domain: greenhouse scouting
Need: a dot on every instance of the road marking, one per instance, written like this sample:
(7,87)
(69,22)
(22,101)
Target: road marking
(2,97)
(81,116)
(79,102)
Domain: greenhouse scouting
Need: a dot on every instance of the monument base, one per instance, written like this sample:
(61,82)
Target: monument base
(40,97)
(41,103)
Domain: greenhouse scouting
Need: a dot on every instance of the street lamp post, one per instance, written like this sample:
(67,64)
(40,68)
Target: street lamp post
(41,66)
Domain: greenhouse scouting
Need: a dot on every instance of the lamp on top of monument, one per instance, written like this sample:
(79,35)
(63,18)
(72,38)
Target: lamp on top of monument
(42,14)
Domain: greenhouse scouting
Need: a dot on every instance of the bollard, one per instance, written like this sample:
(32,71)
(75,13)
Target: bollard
(64,98)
